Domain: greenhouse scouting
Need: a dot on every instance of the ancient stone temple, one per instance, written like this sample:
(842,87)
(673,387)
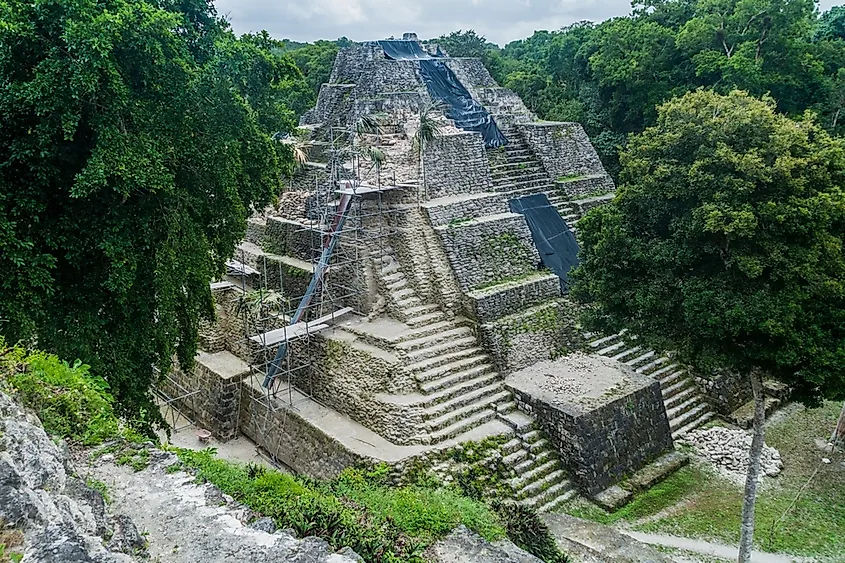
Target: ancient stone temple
(406,296)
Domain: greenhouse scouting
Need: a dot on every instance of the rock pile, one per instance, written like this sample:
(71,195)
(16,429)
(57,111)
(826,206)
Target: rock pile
(728,449)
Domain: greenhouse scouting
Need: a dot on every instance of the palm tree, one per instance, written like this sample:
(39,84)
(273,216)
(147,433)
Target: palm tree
(428,131)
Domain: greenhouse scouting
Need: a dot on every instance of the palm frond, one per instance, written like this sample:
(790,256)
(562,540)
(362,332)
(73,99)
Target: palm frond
(429,128)
(367,124)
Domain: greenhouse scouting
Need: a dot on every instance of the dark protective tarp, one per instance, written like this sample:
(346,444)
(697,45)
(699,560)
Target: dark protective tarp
(403,50)
(445,87)
(554,241)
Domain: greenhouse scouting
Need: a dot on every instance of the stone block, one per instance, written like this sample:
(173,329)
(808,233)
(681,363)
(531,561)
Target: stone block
(564,149)
(488,304)
(456,164)
(605,420)
(464,207)
(490,250)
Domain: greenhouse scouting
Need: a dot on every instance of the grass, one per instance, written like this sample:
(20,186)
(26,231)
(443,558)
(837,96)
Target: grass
(381,523)
(699,504)
(10,542)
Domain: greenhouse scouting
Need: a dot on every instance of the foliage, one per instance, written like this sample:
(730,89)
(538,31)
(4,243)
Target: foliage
(724,242)
(69,400)
(130,156)
(355,510)
(529,532)
(610,76)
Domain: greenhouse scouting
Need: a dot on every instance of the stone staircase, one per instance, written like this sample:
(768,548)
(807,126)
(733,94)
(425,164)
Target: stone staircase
(514,168)
(536,476)
(460,388)
(686,408)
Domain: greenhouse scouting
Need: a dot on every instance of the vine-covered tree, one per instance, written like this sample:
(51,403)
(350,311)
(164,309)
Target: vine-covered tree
(725,243)
(135,140)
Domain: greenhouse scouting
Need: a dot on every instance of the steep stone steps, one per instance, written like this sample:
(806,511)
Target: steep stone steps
(457,414)
(685,406)
(461,362)
(448,347)
(433,339)
(427,364)
(455,378)
(462,425)
(461,395)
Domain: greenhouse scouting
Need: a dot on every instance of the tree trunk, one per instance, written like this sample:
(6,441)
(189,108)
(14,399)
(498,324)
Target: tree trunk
(746,539)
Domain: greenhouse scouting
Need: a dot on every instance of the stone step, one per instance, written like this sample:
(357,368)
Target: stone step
(426,364)
(403,293)
(602,342)
(652,365)
(676,388)
(463,412)
(393,278)
(395,286)
(689,415)
(557,499)
(427,330)
(666,370)
(673,377)
(462,425)
(531,469)
(420,310)
(700,421)
(608,350)
(532,436)
(456,397)
(423,320)
(454,345)
(455,378)
(538,446)
(511,447)
(505,408)
(407,303)
(519,421)
(515,458)
(508,166)
(679,398)
(535,488)
(455,366)
(433,339)
(388,269)
(620,356)
(641,359)
(684,407)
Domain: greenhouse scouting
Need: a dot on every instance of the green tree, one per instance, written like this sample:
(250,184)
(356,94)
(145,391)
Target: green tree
(135,141)
(725,243)
(831,25)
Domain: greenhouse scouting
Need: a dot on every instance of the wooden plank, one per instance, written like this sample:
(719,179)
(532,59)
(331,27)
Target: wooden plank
(240,268)
(287,333)
(298,330)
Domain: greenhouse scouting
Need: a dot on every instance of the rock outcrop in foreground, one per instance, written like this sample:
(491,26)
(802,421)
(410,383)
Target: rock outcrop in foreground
(159,513)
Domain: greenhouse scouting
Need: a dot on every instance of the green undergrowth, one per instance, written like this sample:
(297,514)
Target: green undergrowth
(801,512)
(70,401)
(381,523)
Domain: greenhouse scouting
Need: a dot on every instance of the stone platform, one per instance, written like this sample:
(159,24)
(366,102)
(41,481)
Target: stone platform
(605,420)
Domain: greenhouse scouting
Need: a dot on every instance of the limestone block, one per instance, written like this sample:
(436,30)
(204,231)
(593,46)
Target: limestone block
(456,164)
(563,148)
(491,303)
(606,420)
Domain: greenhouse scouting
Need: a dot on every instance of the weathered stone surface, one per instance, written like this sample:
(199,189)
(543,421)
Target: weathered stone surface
(456,164)
(595,543)
(490,250)
(465,546)
(606,420)
(182,527)
(497,301)
(61,519)
(563,148)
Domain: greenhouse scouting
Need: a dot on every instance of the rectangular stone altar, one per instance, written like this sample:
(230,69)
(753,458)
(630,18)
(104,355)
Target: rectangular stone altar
(606,420)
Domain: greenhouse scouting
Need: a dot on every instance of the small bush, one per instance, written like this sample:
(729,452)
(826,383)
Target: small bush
(69,400)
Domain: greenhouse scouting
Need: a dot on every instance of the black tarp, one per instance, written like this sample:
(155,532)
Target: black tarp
(554,241)
(445,87)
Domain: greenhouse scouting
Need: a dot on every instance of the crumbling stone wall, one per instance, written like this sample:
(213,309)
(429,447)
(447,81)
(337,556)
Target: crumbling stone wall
(495,302)
(490,252)
(334,104)
(563,148)
(214,384)
(726,391)
(543,332)
(288,437)
(456,164)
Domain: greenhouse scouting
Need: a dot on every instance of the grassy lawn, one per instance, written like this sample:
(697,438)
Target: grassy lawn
(697,503)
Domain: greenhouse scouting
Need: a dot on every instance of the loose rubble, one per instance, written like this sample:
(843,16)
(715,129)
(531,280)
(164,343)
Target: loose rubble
(728,449)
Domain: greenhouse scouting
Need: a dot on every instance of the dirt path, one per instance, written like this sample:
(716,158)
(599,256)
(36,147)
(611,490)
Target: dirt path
(707,548)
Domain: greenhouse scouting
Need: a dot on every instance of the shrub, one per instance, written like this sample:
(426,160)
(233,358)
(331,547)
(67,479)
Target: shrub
(69,400)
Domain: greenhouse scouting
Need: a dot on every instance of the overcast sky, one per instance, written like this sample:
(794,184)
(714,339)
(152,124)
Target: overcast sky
(499,21)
